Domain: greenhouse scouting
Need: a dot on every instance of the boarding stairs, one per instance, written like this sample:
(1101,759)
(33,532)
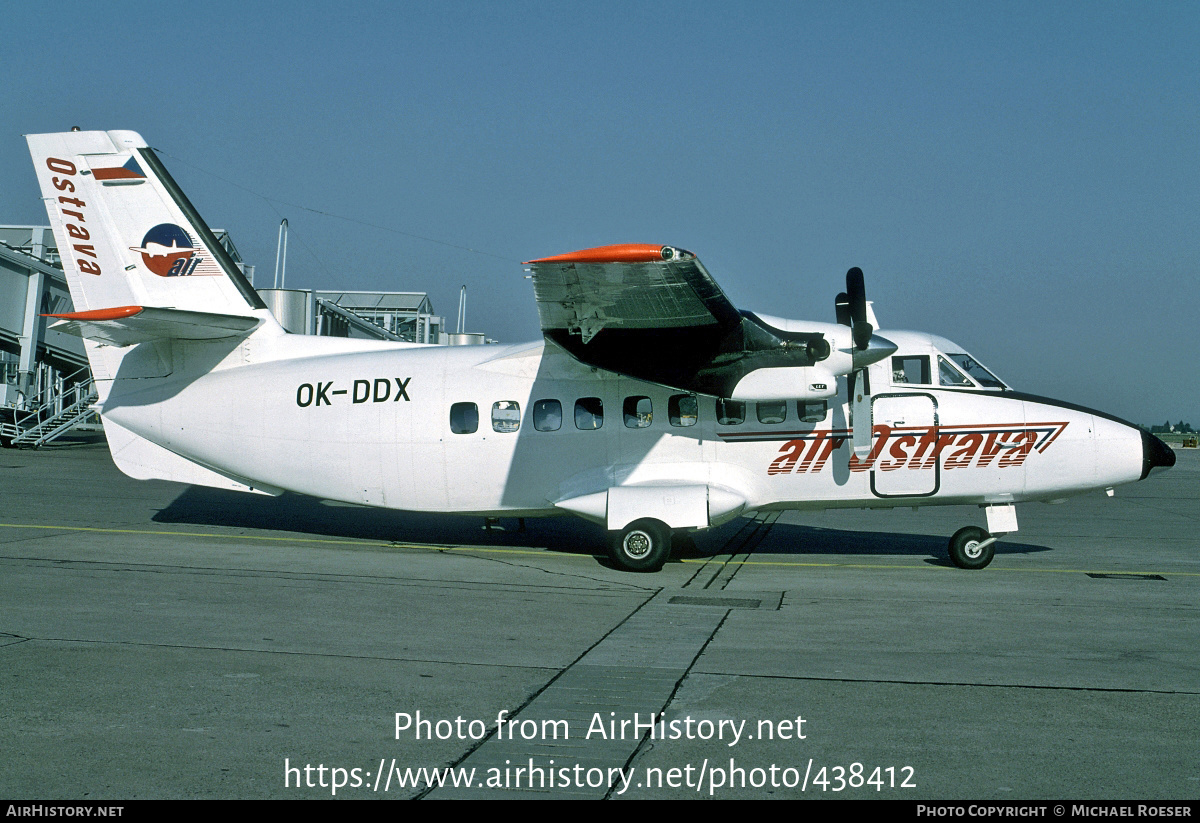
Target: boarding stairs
(60,412)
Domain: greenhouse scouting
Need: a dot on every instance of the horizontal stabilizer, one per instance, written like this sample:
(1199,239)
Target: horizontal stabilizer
(130,325)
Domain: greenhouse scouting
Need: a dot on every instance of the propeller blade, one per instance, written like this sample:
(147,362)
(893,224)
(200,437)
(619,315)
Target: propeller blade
(841,308)
(861,417)
(856,292)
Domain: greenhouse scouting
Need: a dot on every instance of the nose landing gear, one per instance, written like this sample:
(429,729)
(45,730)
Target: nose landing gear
(971,548)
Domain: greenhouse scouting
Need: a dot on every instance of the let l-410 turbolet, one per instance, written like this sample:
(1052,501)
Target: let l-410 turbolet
(651,406)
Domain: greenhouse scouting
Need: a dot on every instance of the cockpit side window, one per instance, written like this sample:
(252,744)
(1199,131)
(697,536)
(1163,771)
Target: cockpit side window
(911,369)
(950,376)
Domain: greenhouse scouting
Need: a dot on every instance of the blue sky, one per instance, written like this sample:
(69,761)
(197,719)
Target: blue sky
(1019,177)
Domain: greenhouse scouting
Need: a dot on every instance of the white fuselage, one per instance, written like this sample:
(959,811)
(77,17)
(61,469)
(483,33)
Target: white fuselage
(371,423)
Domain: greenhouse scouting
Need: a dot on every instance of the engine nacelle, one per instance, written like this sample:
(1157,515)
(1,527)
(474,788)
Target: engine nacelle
(787,383)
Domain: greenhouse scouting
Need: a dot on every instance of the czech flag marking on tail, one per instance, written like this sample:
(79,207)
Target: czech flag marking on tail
(130,171)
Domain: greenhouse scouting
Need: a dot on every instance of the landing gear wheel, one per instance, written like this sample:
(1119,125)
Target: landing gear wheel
(642,546)
(967,549)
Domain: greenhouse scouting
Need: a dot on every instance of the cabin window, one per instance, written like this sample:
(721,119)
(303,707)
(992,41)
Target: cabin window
(950,376)
(506,416)
(913,369)
(730,412)
(639,412)
(464,418)
(811,411)
(547,415)
(589,413)
(683,410)
(774,411)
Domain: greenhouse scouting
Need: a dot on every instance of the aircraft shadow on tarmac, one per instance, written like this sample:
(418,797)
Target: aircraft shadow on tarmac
(794,542)
(306,515)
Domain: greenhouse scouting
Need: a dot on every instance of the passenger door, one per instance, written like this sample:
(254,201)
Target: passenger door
(908,464)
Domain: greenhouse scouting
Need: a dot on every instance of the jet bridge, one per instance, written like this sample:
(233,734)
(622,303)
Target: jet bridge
(375,315)
(45,384)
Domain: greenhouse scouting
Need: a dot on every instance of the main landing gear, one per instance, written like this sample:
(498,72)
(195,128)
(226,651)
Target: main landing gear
(972,548)
(642,546)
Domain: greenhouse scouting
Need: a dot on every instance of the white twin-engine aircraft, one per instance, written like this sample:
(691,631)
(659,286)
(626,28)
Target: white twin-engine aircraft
(651,406)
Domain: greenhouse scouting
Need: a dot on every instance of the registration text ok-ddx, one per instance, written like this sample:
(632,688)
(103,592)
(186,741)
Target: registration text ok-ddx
(375,390)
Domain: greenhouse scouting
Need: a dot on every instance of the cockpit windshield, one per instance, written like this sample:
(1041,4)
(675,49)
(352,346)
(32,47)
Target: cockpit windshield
(978,373)
(950,376)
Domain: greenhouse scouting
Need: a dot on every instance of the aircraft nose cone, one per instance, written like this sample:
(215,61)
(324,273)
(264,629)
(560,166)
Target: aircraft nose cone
(1155,455)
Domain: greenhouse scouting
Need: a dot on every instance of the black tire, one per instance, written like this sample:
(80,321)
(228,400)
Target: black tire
(642,546)
(965,551)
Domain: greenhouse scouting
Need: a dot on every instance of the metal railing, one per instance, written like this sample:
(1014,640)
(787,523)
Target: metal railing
(65,408)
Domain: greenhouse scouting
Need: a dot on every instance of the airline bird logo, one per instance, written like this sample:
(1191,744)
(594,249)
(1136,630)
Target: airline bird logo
(166,250)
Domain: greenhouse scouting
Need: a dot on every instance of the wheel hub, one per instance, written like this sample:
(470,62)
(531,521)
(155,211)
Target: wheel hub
(638,544)
(972,550)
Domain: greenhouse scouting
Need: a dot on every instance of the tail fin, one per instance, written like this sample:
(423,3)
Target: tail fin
(126,234)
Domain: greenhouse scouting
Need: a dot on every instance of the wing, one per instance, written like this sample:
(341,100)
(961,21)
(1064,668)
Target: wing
(632,286)
(655,313)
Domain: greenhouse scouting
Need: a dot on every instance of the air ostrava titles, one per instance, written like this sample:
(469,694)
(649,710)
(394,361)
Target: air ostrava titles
(956,447)
(602,726)
(73,219)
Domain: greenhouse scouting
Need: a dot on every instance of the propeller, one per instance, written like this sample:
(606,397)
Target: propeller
(850,308)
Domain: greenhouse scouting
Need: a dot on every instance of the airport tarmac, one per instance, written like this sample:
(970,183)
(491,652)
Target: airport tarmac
(165,641)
